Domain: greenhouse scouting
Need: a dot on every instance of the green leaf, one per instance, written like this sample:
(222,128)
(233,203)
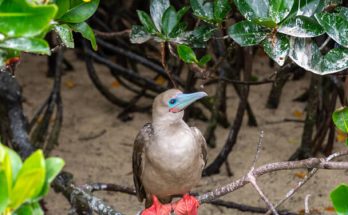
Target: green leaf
(169,20)
(178,30)
(186,54)
(221,9)
(37,210)
(6,54)
(145,19)
(301,26)
(204,60)
(202,9)
(139,34)
(343,11)
(157,8)
(339,198)
(246,33)
(251,9)
(182,12)
(63,7)
(306,54)
(4,193)
(30,179)
(65,34)
(27,186)
(304,8)
(53,166)
(86,32)
(277,47)
(335,60)
(79,11)
(335,25)
(33,45)
(200,35)
(265,22)
(24,209)
(16,163)
(279,9)
(340,119)
(19,18)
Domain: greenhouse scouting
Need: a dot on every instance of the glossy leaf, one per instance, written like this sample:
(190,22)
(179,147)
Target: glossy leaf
(204,60)
(86,32)
(80,11)
(279,9)
(301,26)
(306,54)
(24,209)
(198,37)
(65,35)
(34,45)
(27,186)
(277,47)
(253,9)
(335,60)
(16,163)
(169,20)
(179,29)
(157,9)
(30,179)
(147,22)
(139,34)
(340,119)
(186,54)
(339,198)
(304,8)
(246,33)
(19,18)
(63,7)
(202,9)
(335,25)
(221,9)
(4,193)
(53,167)
(182,12)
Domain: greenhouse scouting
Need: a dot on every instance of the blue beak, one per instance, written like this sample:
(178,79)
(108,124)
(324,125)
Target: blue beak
(181,101)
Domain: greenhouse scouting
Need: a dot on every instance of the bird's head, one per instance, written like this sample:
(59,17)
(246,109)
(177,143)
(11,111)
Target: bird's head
(170,105)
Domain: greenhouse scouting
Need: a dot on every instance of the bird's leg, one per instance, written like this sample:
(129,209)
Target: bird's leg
(157,208)
(188,205)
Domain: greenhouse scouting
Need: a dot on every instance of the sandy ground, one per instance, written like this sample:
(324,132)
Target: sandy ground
(108,157)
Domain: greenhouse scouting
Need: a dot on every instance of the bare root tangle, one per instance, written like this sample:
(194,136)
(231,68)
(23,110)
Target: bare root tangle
(214,167)
(282,77)
(51,110)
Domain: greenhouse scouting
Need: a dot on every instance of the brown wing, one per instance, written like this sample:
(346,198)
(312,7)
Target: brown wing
(200,138)
(138,152)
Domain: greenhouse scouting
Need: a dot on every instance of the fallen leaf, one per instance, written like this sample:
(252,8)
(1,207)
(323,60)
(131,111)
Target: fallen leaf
(297,114)
(115,84)
(330,209)
(70,84)
(160,80)
(340,136)
(300,175)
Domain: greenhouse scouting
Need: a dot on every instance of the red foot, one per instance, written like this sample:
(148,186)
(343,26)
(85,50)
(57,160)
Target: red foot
(157,208)
(188,205)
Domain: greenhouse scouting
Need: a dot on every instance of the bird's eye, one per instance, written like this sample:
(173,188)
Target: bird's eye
(172,101)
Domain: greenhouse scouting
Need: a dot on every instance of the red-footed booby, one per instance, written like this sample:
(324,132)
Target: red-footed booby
(169,156)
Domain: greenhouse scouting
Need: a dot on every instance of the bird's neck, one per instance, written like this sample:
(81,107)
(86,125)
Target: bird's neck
(169,125)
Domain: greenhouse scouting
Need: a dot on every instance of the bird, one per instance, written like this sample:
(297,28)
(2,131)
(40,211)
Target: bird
(169,156)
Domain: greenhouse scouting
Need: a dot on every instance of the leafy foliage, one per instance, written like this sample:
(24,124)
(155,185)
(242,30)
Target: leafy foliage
(24,184)
(339,198)
(188,56)
(283,27)
(23,25)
